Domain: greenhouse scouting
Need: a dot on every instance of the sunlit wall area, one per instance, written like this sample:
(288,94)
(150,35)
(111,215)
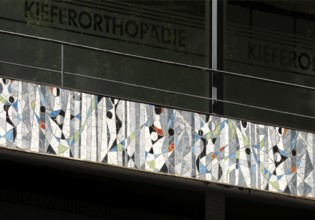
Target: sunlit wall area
(50,120)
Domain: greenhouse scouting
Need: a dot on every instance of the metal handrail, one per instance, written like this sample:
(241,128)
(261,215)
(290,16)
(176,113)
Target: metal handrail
(62,43)
(159,60)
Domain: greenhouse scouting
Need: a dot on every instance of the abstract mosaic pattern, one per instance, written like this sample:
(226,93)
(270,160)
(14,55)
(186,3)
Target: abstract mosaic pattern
(72,124)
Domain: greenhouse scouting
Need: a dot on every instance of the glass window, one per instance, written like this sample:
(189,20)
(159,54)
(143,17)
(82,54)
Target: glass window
(272,40)
(151,51)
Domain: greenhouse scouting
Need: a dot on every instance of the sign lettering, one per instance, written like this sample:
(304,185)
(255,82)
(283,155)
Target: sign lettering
(52,14)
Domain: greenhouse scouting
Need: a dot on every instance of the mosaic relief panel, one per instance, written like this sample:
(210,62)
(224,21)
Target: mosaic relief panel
(66,123)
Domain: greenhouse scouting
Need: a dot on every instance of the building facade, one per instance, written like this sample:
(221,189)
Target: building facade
(157,109)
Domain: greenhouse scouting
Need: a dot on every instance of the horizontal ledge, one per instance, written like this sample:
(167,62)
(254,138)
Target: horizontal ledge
(100,170)
(158,179)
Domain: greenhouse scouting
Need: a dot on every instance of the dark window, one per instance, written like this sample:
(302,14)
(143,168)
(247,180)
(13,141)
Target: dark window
(273,40)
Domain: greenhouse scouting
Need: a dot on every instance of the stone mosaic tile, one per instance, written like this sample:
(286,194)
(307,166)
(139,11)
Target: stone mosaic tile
(101,129)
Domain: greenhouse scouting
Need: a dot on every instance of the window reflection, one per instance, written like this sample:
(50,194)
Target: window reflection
(272,40)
